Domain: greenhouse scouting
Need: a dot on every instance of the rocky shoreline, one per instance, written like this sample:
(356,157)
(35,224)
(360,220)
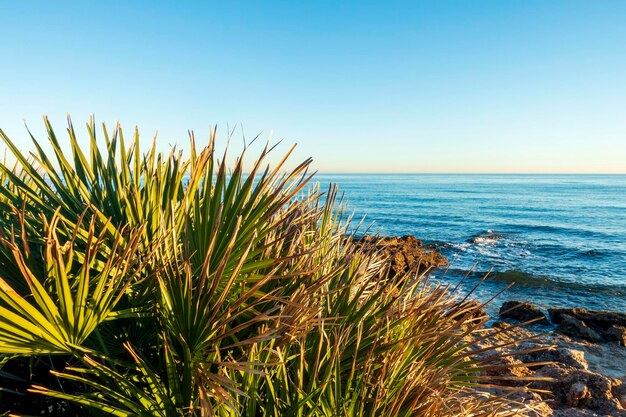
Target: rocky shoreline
(572,360)
(571,374)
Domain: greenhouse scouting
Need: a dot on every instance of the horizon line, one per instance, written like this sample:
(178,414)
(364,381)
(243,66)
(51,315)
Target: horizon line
(469,173)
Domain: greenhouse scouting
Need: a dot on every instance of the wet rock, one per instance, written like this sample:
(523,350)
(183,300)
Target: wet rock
(602,319)
(556,314)
(405,254)
(573,327)
(521,311)
(598,326)
(616,333)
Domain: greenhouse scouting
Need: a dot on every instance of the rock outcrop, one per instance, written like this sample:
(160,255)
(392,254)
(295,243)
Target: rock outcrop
(602,319)
(578,388)
(573,327)
(406,254)
(521,311)
(594,326)
(572,376)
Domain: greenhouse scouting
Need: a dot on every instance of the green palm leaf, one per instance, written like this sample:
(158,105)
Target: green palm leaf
(64,304)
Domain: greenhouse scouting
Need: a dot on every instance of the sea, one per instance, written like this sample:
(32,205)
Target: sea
(555,240)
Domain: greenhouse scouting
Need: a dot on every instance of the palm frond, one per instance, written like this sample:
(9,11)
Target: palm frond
(64,304)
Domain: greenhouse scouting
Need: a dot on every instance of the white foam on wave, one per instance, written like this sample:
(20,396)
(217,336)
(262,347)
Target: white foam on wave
(487,240)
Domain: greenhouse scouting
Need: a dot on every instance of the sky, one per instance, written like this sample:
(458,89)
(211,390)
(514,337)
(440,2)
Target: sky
(417,86)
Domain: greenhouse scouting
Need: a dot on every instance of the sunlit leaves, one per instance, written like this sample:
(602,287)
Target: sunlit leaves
(67,298)
(180,286)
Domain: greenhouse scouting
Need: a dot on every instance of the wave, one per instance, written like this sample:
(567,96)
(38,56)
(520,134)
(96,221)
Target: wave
(592,253)
(562,230)
(508,244)
(567,250)
(526,279)
(486,237)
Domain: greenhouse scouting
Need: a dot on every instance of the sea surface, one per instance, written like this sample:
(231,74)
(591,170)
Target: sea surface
(560,239)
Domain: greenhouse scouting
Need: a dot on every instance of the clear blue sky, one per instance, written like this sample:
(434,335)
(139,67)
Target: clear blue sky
(441,86)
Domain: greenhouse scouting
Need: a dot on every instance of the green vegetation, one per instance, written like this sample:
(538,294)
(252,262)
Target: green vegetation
(150,284)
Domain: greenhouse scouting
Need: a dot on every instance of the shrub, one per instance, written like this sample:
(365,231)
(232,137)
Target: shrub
(157,285)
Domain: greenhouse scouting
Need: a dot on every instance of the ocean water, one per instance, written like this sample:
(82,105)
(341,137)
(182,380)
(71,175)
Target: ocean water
(560,239)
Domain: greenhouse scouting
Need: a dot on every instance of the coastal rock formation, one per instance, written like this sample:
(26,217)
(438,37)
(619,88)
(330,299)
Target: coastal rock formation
(521,311)
(594,326)
(405,254)
(578,388)
(571,326)
(602,319)
(573,377)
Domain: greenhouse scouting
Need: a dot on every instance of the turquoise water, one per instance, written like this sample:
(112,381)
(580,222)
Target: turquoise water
(561,239)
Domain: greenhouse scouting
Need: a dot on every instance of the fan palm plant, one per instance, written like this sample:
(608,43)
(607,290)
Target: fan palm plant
(157,285)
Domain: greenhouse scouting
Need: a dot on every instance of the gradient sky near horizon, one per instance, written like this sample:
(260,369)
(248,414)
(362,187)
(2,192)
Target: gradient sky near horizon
(440,86)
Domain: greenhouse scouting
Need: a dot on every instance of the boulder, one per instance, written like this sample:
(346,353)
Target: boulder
(573,327)
(405,254)
(602,319)
(597,326)
(521,311)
